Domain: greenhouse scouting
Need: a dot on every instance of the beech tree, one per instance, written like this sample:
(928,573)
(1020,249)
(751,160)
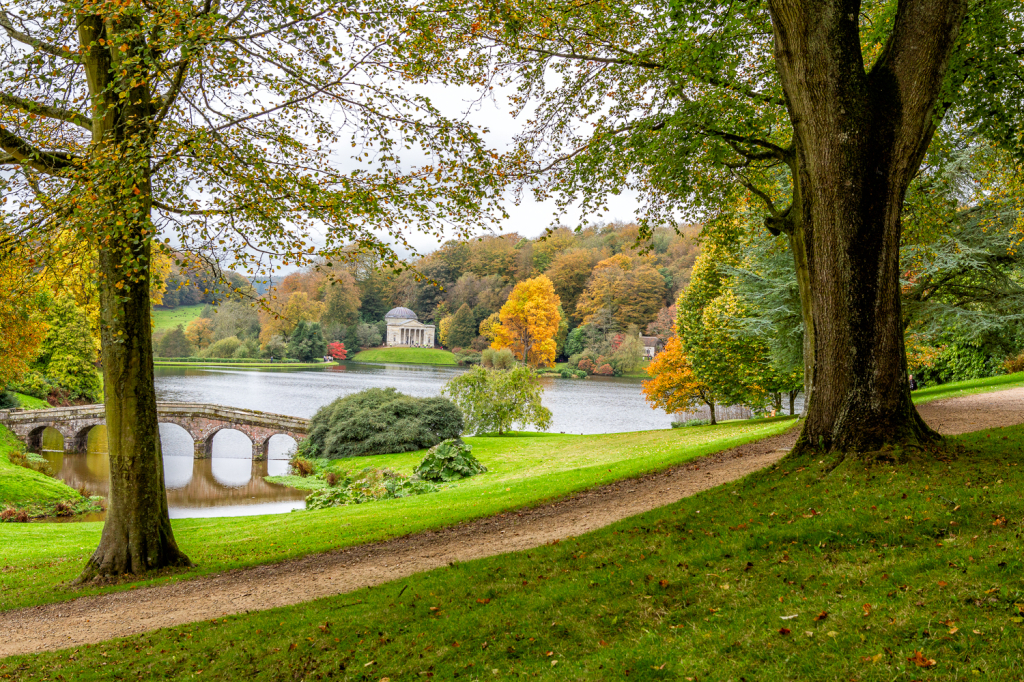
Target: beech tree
(217,125)
(834,101)
(529,322)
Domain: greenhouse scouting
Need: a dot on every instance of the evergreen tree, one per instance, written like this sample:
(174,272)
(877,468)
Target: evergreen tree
(463,327)
(306,342)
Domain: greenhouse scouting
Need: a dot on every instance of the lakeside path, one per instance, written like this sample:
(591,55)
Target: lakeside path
(95,619)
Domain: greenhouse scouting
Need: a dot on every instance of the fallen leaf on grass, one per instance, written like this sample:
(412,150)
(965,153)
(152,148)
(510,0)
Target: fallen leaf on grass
(784,631)
(953,631)
(920,661)
(867,610)
(789,617)
(483,601)
(293,645)
(658,667)
(871,659)
(942,583)
(821,616)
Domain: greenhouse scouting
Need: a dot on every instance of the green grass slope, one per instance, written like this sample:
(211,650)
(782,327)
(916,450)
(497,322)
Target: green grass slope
(961,388)
(23,488)
(165,318)
(417,356)
(524,470)
(813,570)
(28,402)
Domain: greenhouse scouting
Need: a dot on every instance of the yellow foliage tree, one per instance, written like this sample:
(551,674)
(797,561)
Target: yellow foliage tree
(444,328)
(631,290)
(280,320)
(21,325)
(529,322)
(200,332)
(489,327)
(673,386)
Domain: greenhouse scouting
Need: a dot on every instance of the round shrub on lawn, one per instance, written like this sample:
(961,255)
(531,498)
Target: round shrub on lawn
(379,421)
(449,461)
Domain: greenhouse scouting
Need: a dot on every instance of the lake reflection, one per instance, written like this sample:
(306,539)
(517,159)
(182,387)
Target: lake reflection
(228,484)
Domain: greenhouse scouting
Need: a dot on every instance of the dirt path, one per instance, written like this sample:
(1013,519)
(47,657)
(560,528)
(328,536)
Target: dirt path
(94,619)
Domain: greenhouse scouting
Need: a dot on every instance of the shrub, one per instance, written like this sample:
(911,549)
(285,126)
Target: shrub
(33,384)
(380,421)
(8,401)
(449,460)
(574,360)
(690,422)
(503,359)
(1012,365)
(569,373)
(487,358)
(336,350)
(331,478)
(31,460)
(369,485)
(605,370)
(225,348)
(480,343)
(241,353)
(302,466)
(14,515)
(586,366)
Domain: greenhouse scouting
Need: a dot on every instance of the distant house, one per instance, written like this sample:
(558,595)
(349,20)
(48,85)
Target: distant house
(650,345)
(405,330)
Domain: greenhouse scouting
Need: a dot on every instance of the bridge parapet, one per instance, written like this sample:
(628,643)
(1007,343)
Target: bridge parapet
(202,421)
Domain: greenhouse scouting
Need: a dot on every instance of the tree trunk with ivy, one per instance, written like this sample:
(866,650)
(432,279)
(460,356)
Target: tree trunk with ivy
(860,136)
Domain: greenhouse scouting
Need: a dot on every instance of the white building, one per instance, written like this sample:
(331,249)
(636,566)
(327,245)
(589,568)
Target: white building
(405,330)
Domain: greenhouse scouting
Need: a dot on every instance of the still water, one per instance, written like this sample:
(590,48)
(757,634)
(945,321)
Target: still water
(593,405)
(230,483)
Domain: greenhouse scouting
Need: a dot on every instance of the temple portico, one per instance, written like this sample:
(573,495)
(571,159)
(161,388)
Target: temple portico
(404,329)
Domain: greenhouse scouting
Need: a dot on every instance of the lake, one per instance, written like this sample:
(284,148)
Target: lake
(230,483)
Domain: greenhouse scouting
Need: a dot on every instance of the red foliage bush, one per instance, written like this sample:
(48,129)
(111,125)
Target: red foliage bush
(337,350)
(586,365)
(605,370)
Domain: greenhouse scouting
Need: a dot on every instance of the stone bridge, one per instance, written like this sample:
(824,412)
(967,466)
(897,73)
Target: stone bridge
(202,421)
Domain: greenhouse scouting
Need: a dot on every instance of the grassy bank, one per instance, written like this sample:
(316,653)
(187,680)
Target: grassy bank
(31,491)
(525,470)
(962,388)
(27,402)
(157,362)
(413,356)
(814,569)
(165,318)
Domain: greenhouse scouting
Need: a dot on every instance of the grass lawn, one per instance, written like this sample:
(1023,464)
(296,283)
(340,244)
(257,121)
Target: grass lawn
(23,488)
(525,470)
(29,403)
(959,388)
(165,318)
(418,356)
(816,569)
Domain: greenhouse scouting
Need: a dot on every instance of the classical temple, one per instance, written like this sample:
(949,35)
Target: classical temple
(404,329)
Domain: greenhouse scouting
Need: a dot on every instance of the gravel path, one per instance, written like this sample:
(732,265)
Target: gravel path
(94,619)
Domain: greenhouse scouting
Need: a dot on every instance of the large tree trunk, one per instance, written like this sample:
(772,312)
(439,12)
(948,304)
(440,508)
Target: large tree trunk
(137,534)
(860,138)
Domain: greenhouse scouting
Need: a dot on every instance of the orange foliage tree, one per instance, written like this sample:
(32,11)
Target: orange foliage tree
(673,385)
(200,332)
(529,322)
(279,320)
(630,289)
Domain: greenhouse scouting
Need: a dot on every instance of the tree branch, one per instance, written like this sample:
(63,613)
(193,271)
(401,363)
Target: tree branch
(23,153)
(33,107)
(40,45)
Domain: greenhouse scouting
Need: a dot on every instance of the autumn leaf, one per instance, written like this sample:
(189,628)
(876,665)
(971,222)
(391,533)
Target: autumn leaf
(784,631)
(920,661)
(821,616)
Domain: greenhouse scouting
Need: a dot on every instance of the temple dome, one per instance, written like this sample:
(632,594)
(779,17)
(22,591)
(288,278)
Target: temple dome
(401,313)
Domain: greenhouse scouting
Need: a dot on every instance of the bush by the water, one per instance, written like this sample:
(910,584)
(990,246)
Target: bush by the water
(380,421)
(690,422)
(369,485)
(449,461)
